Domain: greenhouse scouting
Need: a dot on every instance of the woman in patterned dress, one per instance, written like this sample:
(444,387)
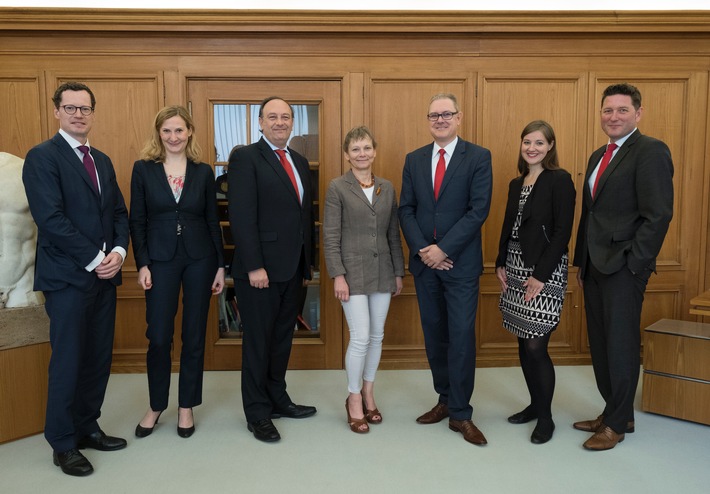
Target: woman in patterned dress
(532,266)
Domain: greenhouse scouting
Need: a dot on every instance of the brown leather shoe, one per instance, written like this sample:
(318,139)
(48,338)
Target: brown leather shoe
(470,432)
(594,425)
(605,438)
(436,414)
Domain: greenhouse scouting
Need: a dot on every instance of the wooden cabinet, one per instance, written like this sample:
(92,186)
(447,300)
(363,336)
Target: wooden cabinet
(676,375)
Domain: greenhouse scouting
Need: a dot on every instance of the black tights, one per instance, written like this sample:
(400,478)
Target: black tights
(539,373)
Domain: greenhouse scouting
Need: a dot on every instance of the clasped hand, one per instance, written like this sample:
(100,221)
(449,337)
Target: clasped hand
(435,258)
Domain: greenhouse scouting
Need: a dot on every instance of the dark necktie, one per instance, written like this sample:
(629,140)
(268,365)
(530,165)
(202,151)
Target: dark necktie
(605,162)
(439,173)
(289,170)
(90,166)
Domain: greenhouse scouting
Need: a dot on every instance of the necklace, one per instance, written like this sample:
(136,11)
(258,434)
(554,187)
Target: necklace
(367,186)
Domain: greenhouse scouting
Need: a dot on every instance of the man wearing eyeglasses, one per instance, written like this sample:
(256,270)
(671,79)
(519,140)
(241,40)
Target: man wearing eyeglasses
(82,239)
(446,196)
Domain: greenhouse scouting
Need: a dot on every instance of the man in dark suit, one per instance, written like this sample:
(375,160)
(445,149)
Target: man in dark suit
(82,239)
(446,196)
(272,226)
(627,206)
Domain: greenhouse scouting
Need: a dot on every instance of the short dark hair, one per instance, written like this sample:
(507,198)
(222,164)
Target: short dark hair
(625,89)
(550,161)
(358,134)
(271,98)
(72,86)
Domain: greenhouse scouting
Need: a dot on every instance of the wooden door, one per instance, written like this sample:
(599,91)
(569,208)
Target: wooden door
(225,113)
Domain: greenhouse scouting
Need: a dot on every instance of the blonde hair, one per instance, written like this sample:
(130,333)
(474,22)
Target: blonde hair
(154,148)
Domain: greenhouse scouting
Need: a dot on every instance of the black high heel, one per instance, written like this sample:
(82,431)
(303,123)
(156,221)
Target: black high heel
(186,431)
(147,431)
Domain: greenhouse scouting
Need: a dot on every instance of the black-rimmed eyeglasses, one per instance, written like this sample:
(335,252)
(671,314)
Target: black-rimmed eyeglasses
(71,109)
(447,115)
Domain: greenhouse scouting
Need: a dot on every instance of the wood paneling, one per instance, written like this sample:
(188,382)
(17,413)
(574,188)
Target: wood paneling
(23,388)
(20,127)
(506,69)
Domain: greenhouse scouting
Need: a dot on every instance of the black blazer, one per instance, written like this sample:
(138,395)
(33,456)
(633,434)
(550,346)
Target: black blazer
(73,221)
(546,223)
(269,226)
(624,226)
(155,214)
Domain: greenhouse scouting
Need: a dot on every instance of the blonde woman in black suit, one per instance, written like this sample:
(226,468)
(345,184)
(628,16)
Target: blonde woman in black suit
(177,243)
(532,266)
(363,255)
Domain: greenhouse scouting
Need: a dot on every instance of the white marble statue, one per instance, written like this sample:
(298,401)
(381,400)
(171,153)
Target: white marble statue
(18,238)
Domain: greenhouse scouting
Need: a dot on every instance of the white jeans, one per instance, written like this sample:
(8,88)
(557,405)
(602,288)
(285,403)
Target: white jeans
(366,315)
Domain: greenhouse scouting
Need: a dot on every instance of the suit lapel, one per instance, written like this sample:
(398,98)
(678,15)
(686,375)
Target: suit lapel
(189,178)
(454,163)
(159,178)
(593,162)
(357,191)
(527,208)
(273,160)
(70,156)
(616,160)
(425,170)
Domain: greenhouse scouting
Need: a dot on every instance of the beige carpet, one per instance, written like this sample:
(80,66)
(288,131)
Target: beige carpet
(321,455)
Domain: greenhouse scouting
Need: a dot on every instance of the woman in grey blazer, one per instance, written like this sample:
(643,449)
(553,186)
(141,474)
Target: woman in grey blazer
(363,255)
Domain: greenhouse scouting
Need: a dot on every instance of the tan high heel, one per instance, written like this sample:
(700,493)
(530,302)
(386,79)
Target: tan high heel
(372,416)
(356,424)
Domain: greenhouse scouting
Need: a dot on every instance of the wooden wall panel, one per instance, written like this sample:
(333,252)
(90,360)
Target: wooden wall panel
(20,127)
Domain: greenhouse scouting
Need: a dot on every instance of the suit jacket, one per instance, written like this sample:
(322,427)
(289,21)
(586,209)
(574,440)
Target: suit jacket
(546,223)
(627,221)
(155,214)
(269,226)
(73,220)
(458,214)
(361,239)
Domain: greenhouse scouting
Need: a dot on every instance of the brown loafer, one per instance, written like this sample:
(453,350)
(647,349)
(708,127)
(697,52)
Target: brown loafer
(436,414)
(605,438)
(469,430)
(594,425)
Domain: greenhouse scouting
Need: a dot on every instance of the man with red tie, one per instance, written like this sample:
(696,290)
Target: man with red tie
(82,226)
(446,196)
(270,215)
(626,209)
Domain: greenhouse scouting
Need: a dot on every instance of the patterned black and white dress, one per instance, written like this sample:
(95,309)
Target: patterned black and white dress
(542,314)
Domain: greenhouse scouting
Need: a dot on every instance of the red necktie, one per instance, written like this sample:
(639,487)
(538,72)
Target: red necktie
(289,170)
(439,174)
(605,162)
(90,166)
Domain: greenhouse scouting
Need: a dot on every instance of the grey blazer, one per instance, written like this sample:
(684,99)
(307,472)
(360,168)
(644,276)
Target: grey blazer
(361,240)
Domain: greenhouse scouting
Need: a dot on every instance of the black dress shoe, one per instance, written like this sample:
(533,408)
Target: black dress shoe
(72,462)
(146,431)
(523,417)
(543,431)
(99,440)
(294,411)
(264,430)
